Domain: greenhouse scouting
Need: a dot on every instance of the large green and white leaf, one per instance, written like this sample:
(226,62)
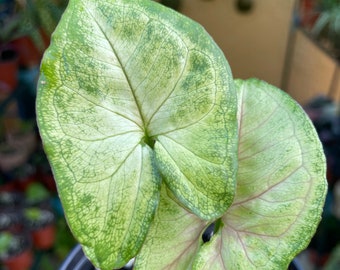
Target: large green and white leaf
(173,239)
(281,185)
(129,91)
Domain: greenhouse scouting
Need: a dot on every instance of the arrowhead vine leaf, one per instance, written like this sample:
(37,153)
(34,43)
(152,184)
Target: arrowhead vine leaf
(281,185)
(132,94)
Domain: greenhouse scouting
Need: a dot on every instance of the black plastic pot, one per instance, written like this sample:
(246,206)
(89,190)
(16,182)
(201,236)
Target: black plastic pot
(77,260)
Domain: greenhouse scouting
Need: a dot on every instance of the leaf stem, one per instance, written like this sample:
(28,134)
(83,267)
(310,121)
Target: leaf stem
(149,140)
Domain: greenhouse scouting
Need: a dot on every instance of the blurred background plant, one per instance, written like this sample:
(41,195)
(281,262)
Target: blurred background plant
(327,26)
(36,19)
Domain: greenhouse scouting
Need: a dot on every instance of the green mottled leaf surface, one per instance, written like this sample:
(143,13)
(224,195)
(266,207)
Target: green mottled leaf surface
(173,239)
(129,91)
(281,185)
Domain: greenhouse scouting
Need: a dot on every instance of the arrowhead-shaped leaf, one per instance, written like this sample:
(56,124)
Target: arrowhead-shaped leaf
(281,185)
(129,91)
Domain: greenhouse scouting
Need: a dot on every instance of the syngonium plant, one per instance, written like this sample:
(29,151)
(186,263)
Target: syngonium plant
(151,140)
